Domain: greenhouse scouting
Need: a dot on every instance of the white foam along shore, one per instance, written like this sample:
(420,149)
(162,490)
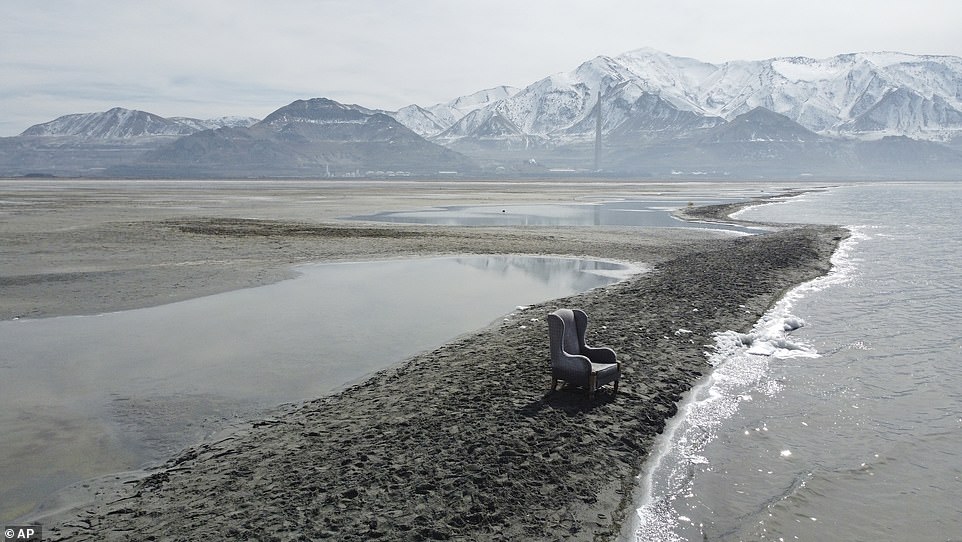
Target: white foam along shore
(741,363)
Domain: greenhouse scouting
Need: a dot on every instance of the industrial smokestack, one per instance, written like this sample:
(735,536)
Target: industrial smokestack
(598,132)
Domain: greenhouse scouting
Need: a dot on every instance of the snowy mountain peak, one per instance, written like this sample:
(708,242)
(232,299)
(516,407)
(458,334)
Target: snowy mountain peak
(482,98)
(215,123)
(120,123)
(431,121)
(801,69)
(866,95)
(116,123)
(599,74)
(317,111)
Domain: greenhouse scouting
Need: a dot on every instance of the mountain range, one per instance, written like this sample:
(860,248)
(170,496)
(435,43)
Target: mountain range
(866,95)
(307,138)
(860,115)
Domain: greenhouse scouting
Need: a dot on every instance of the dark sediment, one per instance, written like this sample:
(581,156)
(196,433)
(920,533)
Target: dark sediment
(465,442)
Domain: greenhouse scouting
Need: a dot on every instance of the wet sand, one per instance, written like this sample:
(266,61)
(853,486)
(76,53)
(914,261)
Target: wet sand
(93,247)
(462,442)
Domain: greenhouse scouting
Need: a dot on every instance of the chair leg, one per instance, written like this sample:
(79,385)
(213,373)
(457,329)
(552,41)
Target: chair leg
(592,384)
(616,387)
(554,384)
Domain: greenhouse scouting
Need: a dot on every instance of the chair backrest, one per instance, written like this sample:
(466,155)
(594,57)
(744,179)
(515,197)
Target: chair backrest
(565,332)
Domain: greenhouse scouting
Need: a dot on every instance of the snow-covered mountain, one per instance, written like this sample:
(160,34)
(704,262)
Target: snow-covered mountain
(217,122)
(430,121)
(318,137)
(117,123)
(120,123)
(868,95)
(92,143)
(862,95)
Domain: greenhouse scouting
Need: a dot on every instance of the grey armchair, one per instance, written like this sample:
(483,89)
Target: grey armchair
(574,361)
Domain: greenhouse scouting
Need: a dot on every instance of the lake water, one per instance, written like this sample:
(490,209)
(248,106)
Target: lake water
(849,427)
(648,213)
(82,396)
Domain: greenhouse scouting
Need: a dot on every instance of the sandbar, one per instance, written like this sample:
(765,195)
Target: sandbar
(463,442)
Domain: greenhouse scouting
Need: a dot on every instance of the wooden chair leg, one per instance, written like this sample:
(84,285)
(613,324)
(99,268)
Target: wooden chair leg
(592,384)
(616,387)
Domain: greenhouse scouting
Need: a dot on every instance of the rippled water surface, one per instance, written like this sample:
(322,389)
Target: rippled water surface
(849,428)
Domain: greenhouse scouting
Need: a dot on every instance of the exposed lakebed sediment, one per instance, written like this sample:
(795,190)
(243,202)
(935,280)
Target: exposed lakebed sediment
(460,442)
(464,441)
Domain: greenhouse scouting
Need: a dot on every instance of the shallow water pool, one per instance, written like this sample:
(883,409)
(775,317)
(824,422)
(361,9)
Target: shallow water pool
(82,396)
(654,213)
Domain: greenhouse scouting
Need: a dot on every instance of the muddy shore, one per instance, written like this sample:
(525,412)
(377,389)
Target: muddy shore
(89,248)
(462,442)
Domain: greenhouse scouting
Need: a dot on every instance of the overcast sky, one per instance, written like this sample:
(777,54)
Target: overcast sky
(208,58)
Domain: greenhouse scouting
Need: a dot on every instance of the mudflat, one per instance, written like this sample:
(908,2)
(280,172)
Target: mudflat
(461,442)
(84,247)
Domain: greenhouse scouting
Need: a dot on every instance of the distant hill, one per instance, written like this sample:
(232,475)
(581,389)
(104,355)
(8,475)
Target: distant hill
(120,123)
(117,123)
(87,144)
(307,138)
(761,143)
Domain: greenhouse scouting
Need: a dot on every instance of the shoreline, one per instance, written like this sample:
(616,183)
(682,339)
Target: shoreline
(463,441)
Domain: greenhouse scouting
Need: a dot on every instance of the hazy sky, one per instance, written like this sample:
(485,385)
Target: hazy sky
(207,58)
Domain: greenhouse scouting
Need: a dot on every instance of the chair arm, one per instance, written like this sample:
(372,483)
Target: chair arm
(600,354)
(571,366)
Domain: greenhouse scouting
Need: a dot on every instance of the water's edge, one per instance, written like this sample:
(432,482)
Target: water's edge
(724,344)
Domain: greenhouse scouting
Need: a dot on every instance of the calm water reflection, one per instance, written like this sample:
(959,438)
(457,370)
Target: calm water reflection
(90,395)
(656,213)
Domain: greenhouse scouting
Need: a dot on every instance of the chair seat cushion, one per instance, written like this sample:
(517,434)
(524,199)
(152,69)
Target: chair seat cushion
(605,373)
(604,368)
